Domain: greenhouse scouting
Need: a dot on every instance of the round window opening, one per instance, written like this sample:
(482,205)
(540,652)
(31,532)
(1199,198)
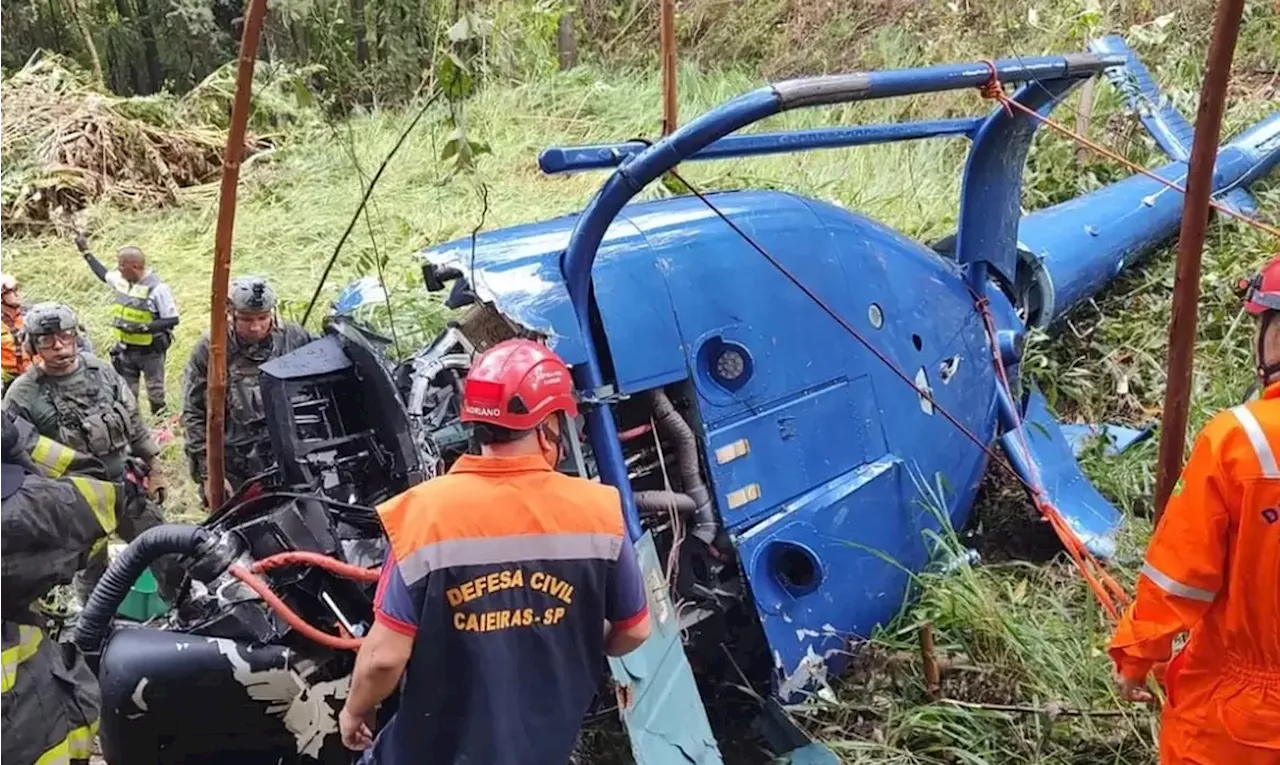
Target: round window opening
(875,315)
(796,568)
(728,364)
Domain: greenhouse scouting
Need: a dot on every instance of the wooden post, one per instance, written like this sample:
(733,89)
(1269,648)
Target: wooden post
(216,399)
(1195,220)
(667,35)
(566,43)
(932,672)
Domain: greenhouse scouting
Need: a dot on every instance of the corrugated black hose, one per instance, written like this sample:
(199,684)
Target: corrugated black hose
(94,622)
(672,425)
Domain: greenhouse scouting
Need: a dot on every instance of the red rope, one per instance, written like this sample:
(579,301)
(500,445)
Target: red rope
(1104,587)
(301,558)
(992,89)
(1107,591)
(289,615)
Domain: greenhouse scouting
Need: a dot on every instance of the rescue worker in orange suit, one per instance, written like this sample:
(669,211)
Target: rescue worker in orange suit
(13,359)
(505,585)
(1212,569)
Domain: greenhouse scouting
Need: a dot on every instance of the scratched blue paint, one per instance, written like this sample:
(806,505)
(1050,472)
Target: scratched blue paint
(838,442)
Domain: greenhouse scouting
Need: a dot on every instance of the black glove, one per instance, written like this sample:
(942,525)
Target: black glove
(82,244)
(137,511)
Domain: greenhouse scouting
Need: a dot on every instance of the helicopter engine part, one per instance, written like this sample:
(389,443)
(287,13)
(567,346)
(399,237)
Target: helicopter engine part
(224,675)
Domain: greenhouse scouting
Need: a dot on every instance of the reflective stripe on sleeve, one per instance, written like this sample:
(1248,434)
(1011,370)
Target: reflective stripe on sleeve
(28,643)
(52,456)
(101,497)
(78,745)
(1173,586)
(60,754)
(1261,447)
(80,741)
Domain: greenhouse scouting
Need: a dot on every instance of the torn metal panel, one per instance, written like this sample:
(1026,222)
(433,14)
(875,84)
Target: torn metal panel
(664,714)
(1086,512)
(1118,437)
(518,271)
(831,564)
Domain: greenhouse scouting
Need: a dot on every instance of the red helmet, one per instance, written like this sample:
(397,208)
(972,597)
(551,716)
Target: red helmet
(517,384)
(1264,289)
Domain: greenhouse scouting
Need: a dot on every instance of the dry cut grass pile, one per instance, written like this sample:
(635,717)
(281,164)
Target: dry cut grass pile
(66,144)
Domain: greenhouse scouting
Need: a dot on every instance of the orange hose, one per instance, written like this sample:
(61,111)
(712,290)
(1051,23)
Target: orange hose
(296,622)
(301,558)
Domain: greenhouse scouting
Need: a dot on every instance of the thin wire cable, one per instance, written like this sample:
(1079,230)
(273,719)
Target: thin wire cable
(1083,559)
(993,89)
(365,200)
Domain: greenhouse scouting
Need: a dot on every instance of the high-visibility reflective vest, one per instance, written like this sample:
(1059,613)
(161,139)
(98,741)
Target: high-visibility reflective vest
(133,307)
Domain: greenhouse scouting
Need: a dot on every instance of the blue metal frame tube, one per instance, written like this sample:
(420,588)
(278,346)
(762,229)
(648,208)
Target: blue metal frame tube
(991,193)
(634,174)
(569,159)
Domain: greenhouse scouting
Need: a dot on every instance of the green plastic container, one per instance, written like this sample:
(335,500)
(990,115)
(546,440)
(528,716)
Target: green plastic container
(143,601)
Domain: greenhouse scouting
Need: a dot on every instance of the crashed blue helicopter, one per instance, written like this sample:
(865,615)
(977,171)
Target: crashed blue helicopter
(770,381)
(783,326)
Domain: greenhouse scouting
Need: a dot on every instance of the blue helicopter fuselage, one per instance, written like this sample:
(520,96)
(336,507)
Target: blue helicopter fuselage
(830,436)
(832,447)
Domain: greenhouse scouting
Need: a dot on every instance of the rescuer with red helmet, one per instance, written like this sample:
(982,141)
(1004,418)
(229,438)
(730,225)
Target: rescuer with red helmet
(505,584)
(1212,569)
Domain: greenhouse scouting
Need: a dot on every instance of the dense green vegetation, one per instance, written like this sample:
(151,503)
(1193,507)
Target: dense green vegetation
(1012,633)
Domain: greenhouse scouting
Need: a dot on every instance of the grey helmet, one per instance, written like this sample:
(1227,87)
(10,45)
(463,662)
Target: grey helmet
(45,319)
(251,293)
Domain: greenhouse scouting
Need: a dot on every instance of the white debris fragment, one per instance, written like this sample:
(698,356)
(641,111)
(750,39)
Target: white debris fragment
(137,699)
(311,719)
(307,711)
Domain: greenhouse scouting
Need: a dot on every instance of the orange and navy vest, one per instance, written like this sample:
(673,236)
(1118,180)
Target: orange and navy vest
(505,572)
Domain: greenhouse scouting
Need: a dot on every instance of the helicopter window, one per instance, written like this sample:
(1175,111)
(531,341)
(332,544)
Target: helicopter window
(875,315)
